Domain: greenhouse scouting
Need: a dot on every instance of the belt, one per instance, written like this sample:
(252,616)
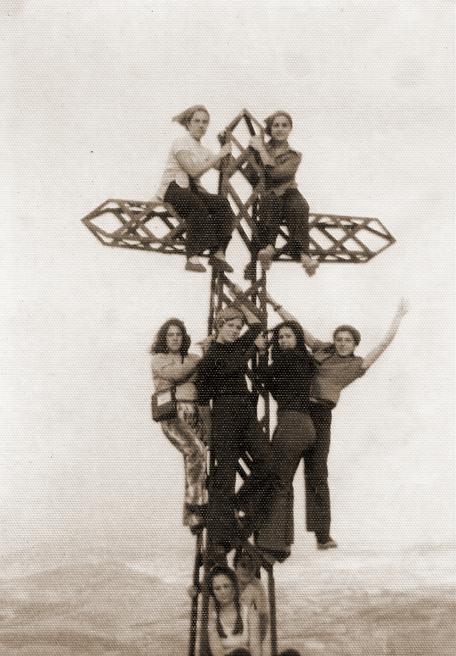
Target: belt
(326,403)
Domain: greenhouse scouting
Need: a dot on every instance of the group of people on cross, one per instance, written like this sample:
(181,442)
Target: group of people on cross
(209,218)
(214,405)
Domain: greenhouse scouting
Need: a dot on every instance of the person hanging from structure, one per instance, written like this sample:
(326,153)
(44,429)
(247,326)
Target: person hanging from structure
(288,378)
(221,377)
(209,219)
(337,367)
(280,201)
(173,365)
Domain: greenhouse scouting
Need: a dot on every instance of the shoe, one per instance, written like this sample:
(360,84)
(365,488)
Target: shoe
(221,265)
(273,556)
(196,529)
(329,544)
(250,272)
(309,265)
(265,256)
(199,509)
(195,266)
(216,555)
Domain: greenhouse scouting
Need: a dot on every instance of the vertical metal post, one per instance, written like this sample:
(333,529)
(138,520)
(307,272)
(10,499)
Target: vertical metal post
(196,590)
(272,612)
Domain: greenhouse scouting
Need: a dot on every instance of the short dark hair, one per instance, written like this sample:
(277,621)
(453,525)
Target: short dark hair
(224,570)
(354,332)
(159,344)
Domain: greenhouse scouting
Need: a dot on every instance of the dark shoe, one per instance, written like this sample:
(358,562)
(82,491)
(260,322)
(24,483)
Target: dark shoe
(197,509)
(310,265)
(328,544)
(216,555)
(193,266)
(221,265)
(272,556)
(196,529)
(250,272)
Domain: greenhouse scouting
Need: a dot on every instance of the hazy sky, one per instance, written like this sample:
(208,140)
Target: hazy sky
(90,94)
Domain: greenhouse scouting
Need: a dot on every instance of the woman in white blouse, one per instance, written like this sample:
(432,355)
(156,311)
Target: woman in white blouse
(209,218)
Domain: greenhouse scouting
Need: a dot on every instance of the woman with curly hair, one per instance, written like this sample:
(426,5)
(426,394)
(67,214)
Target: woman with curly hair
(172,364)
(288,378)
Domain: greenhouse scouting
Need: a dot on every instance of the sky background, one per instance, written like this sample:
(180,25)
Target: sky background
(90,91)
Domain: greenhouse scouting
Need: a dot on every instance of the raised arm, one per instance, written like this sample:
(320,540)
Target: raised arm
(257,143)
(185,159)
(310,340)
(390,335)
(250,317)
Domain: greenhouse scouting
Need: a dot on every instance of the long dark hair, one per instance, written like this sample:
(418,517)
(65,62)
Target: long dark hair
(276,351)
(224,570)
(159,344)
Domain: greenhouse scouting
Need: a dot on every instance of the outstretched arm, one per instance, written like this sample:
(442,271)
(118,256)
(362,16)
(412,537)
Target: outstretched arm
(310,340)
(257,143)
(390,335)
(250,317)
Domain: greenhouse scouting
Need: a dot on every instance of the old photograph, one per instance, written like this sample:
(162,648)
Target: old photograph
(227,328)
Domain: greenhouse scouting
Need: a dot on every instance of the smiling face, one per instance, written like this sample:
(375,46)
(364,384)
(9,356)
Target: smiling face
(223,589)
(197,125)
(174,339)
(286,338)
(280,128)
(230,331)
(344,343)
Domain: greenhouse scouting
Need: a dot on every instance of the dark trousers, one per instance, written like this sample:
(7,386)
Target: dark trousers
(290,209)
(318,503)
(209,219)
(291,441)
(235,430)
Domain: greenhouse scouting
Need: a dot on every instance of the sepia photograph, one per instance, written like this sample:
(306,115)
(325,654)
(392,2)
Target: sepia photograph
(227,328)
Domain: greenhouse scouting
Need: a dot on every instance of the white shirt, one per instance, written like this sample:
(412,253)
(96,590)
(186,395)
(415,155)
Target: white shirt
(173,170)
(240,640)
